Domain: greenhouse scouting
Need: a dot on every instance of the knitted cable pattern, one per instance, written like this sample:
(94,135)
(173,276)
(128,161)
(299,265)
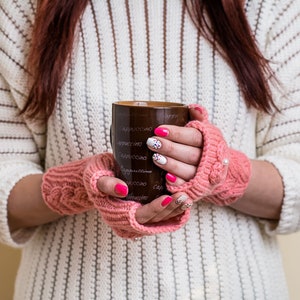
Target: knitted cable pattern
(62,186)
(72,188)
(223,173)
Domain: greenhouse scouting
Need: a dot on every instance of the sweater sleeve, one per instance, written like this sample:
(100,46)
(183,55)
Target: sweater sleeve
(278,135)
(21,143)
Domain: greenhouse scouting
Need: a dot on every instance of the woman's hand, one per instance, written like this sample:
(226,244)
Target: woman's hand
(163,208)
(177,150)
(252,187)
(199,162)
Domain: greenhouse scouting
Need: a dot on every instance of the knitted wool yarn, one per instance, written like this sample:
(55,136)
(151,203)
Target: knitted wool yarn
(120,216)
(63,189)
(72,188)
(223,173)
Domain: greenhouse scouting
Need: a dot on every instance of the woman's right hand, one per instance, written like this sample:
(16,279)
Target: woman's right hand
(160,209)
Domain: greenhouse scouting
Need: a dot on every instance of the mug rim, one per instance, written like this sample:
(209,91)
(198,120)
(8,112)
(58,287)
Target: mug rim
(145,104)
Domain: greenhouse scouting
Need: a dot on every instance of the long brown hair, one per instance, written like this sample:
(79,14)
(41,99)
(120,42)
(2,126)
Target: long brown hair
(222,22)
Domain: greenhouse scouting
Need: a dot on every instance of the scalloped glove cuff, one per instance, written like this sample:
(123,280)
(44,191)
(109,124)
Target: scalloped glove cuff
(223,173)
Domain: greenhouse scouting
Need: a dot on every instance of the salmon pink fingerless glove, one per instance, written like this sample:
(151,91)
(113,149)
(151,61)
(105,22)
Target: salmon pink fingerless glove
(121,218)
(223,173)
(62,186)
(72,188)
(120,214)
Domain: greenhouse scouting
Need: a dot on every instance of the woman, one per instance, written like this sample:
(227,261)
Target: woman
(63,63)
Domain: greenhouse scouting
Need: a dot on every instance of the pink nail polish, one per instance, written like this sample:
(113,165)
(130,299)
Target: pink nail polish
(121,189)
(170,177)
(166,201)
(160,131)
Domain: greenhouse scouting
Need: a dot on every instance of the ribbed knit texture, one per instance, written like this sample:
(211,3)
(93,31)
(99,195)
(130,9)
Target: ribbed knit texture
(137,49)
(120,217)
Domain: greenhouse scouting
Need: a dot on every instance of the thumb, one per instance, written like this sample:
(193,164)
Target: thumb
(198,113)
(112,186)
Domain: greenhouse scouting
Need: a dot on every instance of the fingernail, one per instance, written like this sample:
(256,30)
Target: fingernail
(161,131)
(121,189)
(159,158)
(154,143)
(186,206)
(166,201)
(170,177)
(201,111)
(181,199)
(196,107)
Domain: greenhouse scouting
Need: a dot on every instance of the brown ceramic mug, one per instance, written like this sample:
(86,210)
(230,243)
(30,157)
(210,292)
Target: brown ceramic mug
(133,122)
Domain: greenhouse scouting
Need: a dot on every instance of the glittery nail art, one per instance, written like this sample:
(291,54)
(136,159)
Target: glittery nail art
(154,143)
(186,206)
(181,199)
(159,158)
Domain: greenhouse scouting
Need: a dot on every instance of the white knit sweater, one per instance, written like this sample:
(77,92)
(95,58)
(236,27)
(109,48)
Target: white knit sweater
(134,49)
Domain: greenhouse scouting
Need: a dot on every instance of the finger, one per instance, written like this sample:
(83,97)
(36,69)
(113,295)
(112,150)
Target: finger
(173,166)
(180,203)
(180,210)
(174,180)
(187,154)
(182,135)
(163,208)
(112,186)
(197,113)
(149,210)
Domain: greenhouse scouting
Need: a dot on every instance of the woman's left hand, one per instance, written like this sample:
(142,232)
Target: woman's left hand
(177,150)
